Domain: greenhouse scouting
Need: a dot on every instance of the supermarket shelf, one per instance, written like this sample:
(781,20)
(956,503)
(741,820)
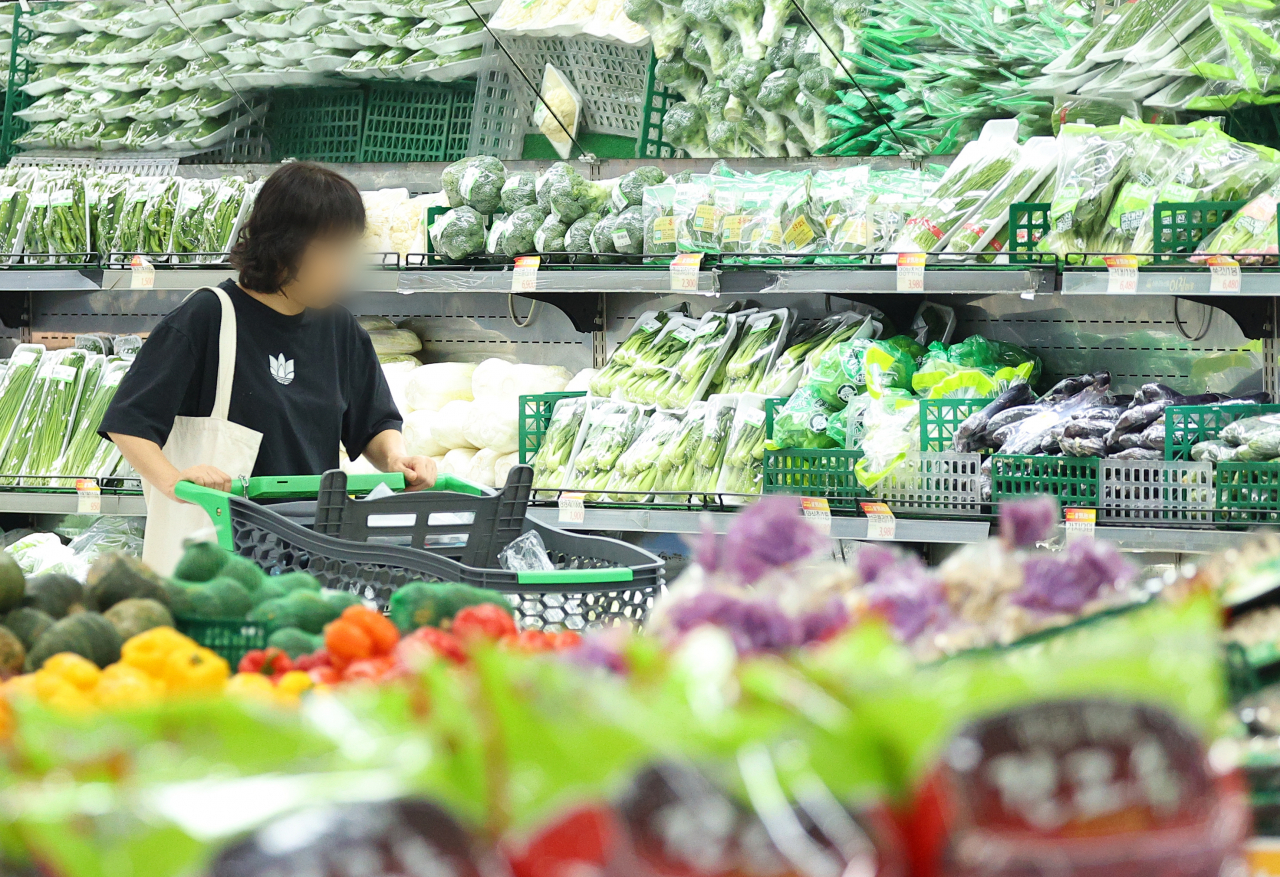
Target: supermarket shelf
(655,279)
(195,278)
(677,521)
(1170,281)
(1181,541)
(68,503)
(863,280)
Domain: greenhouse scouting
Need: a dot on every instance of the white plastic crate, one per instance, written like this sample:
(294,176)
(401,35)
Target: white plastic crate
(934,483)
(1156,491)
(610,77)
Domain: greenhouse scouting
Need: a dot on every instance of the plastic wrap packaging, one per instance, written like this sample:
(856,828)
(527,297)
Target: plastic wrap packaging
(526,553)
(891,431)
(742,473)
(85,454)
(1250,230)
(811,343)
(550,465)
(1092,163)
(624,356)
(608,428)
(759,342)
(805,422)
(676,464)
(655,367)
(717,426)
(637,472)
(1036,161)
(41,430)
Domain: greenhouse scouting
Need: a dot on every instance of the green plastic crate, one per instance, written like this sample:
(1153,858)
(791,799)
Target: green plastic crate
(1248,493)
(1028,223)
(802,472)
(319,124)
(20,71)
(535,415)
(1073,480)
(1179,226)
(230,638)
(419,121)
(1187,425)
(940,418)
(657,100)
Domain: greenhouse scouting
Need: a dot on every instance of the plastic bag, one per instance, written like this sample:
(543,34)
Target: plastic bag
(551,463)
(561,121)
(1092,163)
(526,553)
(743,468)
(637,471)
(804,422)
(891,431)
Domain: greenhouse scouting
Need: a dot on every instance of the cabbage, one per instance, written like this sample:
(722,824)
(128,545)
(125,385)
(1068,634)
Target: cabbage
(581,382)
(374,324)
(449,426)
(456,462)
(489,378)
(502,468)
(401,359)
(494,424)
(419,439)
(432,386)
(482,468)
(526,380)
(389,341)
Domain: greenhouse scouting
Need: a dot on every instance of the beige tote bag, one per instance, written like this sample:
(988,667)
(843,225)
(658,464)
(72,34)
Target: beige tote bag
(195,441)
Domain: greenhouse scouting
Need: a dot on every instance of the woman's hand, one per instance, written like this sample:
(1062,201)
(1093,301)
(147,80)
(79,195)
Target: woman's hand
(205,476)
(419,472)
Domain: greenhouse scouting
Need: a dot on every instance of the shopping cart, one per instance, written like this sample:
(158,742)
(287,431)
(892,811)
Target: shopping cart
(451,533)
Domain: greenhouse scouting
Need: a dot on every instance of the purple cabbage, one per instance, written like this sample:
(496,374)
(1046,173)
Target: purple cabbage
(873,559)
(822,624)
(1067,581)
(910,598)
(601,651)
(768,534)
(1027,521)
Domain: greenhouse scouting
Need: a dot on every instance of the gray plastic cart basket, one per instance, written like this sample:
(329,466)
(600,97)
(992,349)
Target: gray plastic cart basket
(453,533)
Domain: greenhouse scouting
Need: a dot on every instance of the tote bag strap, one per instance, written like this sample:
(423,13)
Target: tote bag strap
(226,354)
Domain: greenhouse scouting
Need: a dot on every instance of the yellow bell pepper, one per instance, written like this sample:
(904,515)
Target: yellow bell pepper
(79,671)
(195,669)
(149,651)
(55,691)
(123,685)
(291,685)
(20,686)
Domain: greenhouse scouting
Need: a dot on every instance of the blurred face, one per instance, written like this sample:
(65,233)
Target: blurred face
(326,271)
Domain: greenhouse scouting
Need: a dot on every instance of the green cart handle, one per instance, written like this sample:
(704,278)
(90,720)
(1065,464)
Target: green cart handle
(575,576)
(218,506)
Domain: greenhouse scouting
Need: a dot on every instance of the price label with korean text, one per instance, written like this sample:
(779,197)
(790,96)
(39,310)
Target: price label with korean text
(525,276)
(881,524)
(572,510)
(684,272)
(142,274)
(817,510)
(911,272)
(88,497)
(1224,274)
(1079,522)
(1122,274)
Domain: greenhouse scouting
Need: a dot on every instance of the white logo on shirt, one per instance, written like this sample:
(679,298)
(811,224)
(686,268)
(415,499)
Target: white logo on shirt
(281,369)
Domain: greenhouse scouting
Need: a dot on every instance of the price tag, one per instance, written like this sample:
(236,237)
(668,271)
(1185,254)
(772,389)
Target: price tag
(88,497)
(1080,522)
(142,274)
(1122,274)
(1224,274)
(881,524)
(571,509)
(911,272)
(817,510)
(525,276)
(684,272)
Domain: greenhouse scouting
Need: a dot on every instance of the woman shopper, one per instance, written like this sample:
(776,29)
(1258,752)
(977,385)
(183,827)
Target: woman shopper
(264,376)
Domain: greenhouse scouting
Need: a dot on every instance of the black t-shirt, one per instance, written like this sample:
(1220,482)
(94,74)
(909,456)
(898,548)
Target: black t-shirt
(305,382)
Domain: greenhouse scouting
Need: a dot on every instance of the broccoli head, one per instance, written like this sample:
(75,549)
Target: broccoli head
(458,234)
(667,25)
(823,15)
(820,88)
(519,191)
(578,239)
(710,35)
(560,172)
(627,231)
(782,54)
(745,78)
(630,189)
(521,228)
(713,101)
(451,177)
(743,18)
(774,22)
(685,127)
(848,16)
(679,75)
(549,238)
(497,237)
(726,139)
(602,239)
(481,188)
(778,94)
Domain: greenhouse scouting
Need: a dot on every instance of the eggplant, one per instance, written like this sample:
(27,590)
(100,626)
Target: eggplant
(1083,447)
(1138,454)
(1109,414)
(1011,415)
(1127,441)
(1153,436)
(969,433)
(1078,428)
(1261,398)
(1137,419)
(1153,392)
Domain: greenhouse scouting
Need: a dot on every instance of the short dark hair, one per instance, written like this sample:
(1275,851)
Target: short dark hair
(298,203)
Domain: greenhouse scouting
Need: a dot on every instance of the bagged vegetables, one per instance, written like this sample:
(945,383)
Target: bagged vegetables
(743,468)
(691,375)
(805,422)
(714,443)
(637,471)
(759,341)
(15,387)
(550,465)
(812,343)
(609,427)
(677,460)
(41,429)
(1092,163)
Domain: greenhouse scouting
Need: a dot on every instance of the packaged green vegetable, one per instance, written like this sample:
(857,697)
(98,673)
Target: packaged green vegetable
(191,215)
(13,207)
(551,463)
(890,364)
(804,421)
(811,343)
(758,345)
(15,387)
(624,356)
(636,473)
(1092,165)
(644,381)
(1035,162)
(40,432)
(676,464)
(609,427)
(659,220)
(891,432)
(742,473)
(696,216)
(717,425)
(691,377)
